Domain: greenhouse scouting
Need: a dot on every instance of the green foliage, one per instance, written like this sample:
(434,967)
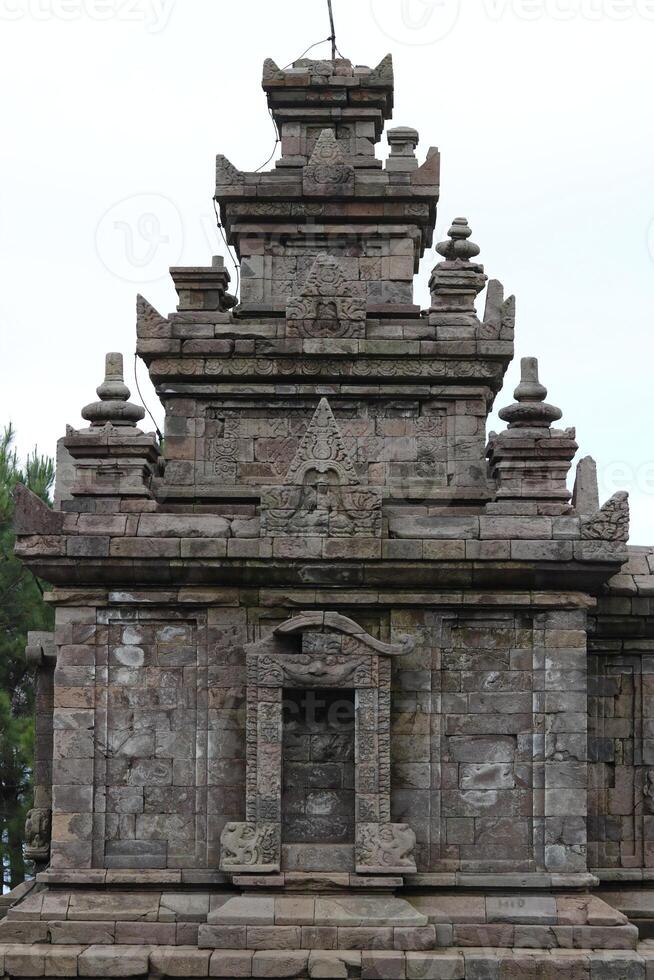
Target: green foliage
(21,609)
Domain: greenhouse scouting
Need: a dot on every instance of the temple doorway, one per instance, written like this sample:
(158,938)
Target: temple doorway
(318,800)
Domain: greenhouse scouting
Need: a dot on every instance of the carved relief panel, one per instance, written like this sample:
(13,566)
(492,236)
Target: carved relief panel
(389,442)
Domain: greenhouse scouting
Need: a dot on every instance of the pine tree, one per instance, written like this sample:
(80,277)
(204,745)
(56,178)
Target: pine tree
(21,609)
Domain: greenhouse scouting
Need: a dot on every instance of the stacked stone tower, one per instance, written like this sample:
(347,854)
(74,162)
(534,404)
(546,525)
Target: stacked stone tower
(319,701)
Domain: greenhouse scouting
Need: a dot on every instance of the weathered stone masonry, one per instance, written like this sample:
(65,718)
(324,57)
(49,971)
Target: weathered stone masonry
(339,686)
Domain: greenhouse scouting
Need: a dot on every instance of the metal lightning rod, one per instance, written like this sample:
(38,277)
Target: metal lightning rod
(333,29)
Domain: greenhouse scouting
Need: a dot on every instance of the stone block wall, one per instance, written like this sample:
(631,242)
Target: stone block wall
(393,442)
(489,741)
(149,743)
(377,269)
(621,721)
(488,737)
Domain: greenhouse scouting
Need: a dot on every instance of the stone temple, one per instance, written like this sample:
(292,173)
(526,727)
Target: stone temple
(340,686)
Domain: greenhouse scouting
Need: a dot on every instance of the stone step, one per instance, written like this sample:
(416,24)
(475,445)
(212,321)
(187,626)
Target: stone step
(307,910)
(369,964)
(316,937)
(528,921)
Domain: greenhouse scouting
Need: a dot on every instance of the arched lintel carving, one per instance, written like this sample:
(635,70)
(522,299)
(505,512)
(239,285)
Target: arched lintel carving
(316,621)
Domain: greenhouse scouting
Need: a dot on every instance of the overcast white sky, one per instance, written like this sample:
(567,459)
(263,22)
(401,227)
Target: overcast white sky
(113,111)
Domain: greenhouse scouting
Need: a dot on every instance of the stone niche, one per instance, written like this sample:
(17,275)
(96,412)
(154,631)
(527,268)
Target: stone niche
(324,654)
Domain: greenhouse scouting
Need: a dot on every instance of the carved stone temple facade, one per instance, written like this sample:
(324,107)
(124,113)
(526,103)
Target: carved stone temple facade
(340,686)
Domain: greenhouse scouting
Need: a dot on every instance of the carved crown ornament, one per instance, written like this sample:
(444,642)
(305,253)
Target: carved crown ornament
(322,493)
(327,305)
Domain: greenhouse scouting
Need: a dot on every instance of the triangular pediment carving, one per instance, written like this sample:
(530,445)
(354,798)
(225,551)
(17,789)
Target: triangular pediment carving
(322,493)
(322,452)
(327,173)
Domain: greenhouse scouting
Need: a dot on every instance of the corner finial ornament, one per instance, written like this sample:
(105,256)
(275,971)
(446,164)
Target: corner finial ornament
(114,406)
(611,522)
(456,281)
(457,246)
(530,408)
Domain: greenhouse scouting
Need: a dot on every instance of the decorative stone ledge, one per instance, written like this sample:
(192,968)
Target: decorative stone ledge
(459,963)
(537,879)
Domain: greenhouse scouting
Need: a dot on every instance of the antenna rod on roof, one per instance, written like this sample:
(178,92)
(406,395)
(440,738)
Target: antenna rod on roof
(333,29)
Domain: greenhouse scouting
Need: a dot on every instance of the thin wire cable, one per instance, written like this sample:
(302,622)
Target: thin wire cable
(277,142)
(235,262)
(310,48)
(138,388)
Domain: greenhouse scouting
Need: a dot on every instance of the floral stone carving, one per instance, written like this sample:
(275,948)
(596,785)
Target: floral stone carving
(611,522)
(248,846)
(38,826)
(385,848)
(327,305)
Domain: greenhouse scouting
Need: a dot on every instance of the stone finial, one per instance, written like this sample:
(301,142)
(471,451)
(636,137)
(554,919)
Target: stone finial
(530,408)
(530,460)
(456,282)
(114,405)
(457,246)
